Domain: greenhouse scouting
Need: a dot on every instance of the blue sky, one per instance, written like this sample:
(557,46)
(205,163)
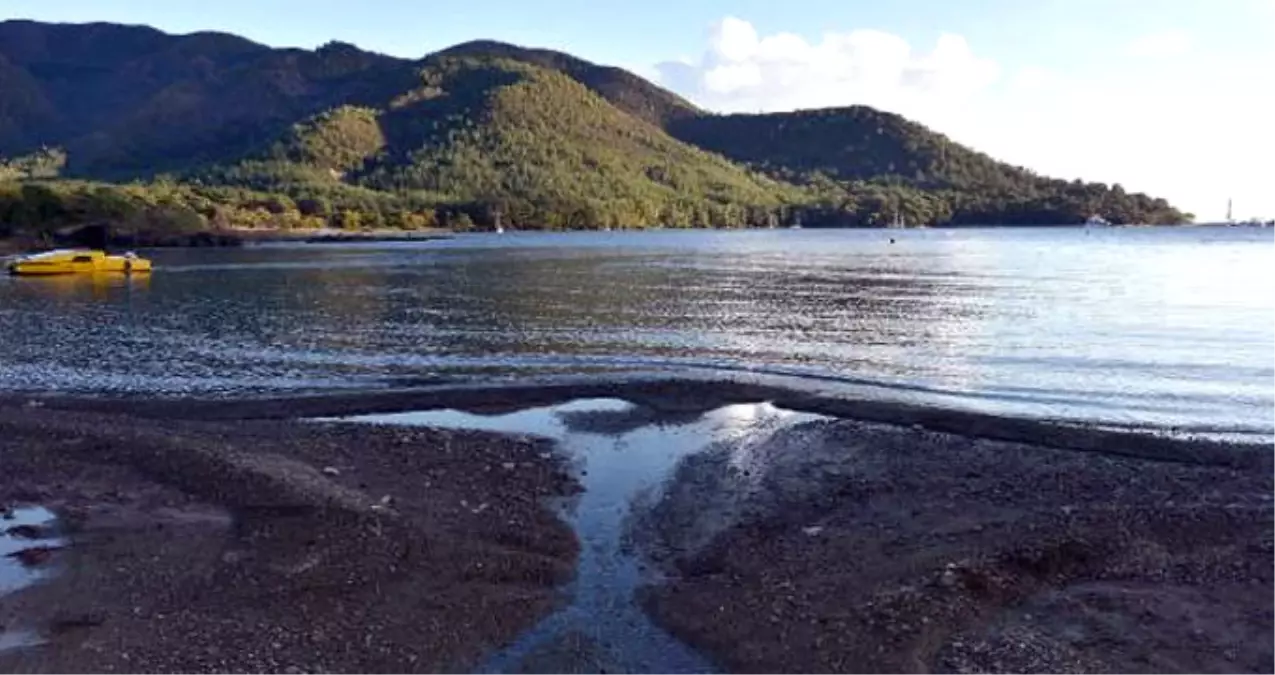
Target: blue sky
(1167,96)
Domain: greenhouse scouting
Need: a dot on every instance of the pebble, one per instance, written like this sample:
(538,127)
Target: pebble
(508,466)
(331,471)
(33,556)
(25,531)
(813,530)
(65,622)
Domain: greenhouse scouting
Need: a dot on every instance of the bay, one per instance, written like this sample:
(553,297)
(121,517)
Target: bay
(1155,329)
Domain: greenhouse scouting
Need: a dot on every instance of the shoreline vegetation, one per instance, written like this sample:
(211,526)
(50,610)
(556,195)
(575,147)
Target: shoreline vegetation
(179,138)
(45,214)
(215,535)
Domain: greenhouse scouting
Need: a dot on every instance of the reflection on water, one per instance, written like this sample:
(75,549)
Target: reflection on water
(22,529)
(625,451)
(15,639)
(1133,326)
(72,287)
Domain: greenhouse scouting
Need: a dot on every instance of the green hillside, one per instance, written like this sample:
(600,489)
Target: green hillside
(130,101)
(869,151)
(341,140)
(484,132)
(855,143)
(545,149)
(623,89)
(495,136)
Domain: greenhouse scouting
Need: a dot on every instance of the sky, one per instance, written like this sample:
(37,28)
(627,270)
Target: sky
(1171,97)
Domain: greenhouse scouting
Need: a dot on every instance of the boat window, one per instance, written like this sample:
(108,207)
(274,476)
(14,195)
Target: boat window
(82,258)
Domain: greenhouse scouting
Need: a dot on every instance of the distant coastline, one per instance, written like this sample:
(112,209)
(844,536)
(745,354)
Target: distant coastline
(235,237)
(332,236)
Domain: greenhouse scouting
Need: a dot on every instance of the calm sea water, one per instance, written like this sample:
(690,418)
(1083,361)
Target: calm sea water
(1140,327)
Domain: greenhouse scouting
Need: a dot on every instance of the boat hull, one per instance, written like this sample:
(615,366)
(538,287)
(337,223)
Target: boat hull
(89,263)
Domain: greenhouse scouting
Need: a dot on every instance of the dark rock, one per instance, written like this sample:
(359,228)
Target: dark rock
(27,532)
(71,621)
(36,555)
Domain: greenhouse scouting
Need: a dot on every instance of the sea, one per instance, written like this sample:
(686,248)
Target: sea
(1167,330)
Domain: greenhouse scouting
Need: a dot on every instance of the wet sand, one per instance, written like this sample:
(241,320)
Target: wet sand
(206,536)
(277,546)
(855,547)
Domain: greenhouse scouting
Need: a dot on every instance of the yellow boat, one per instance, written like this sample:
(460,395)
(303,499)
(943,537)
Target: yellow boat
(78,261)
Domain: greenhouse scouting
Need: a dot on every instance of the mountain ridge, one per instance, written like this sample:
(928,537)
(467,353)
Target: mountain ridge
(625,90)
(215,110)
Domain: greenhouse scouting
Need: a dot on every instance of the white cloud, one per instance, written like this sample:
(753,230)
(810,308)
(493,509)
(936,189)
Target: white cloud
(1179,142)
(1031,78)
(743,71)
(1161,44)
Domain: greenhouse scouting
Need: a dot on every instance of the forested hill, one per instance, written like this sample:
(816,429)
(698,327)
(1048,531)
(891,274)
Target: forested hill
(858,144)
(479,133)
(623,89)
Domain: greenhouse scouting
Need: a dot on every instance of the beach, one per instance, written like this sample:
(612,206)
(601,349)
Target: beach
(859,342)
(277,547)
(231,536)
(867,548)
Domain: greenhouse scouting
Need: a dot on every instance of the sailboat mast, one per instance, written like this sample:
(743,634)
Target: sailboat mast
(1228,210)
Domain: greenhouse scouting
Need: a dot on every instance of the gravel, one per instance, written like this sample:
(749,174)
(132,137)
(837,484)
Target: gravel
(233,547)
(854,547)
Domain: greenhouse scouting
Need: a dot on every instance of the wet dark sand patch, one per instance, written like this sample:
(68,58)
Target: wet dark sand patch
(685,391)
(277,546)
(912,545)
(858,547)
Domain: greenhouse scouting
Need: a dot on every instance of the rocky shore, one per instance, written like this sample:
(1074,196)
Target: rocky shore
(229,536)
(97,236)
(335,236)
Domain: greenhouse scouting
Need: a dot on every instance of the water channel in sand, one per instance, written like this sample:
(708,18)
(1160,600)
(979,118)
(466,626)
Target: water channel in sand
(23,528)
(624,452)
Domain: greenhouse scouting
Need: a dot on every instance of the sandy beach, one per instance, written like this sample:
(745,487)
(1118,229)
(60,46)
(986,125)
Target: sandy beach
(855,547)
(202,536)
(278,547)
